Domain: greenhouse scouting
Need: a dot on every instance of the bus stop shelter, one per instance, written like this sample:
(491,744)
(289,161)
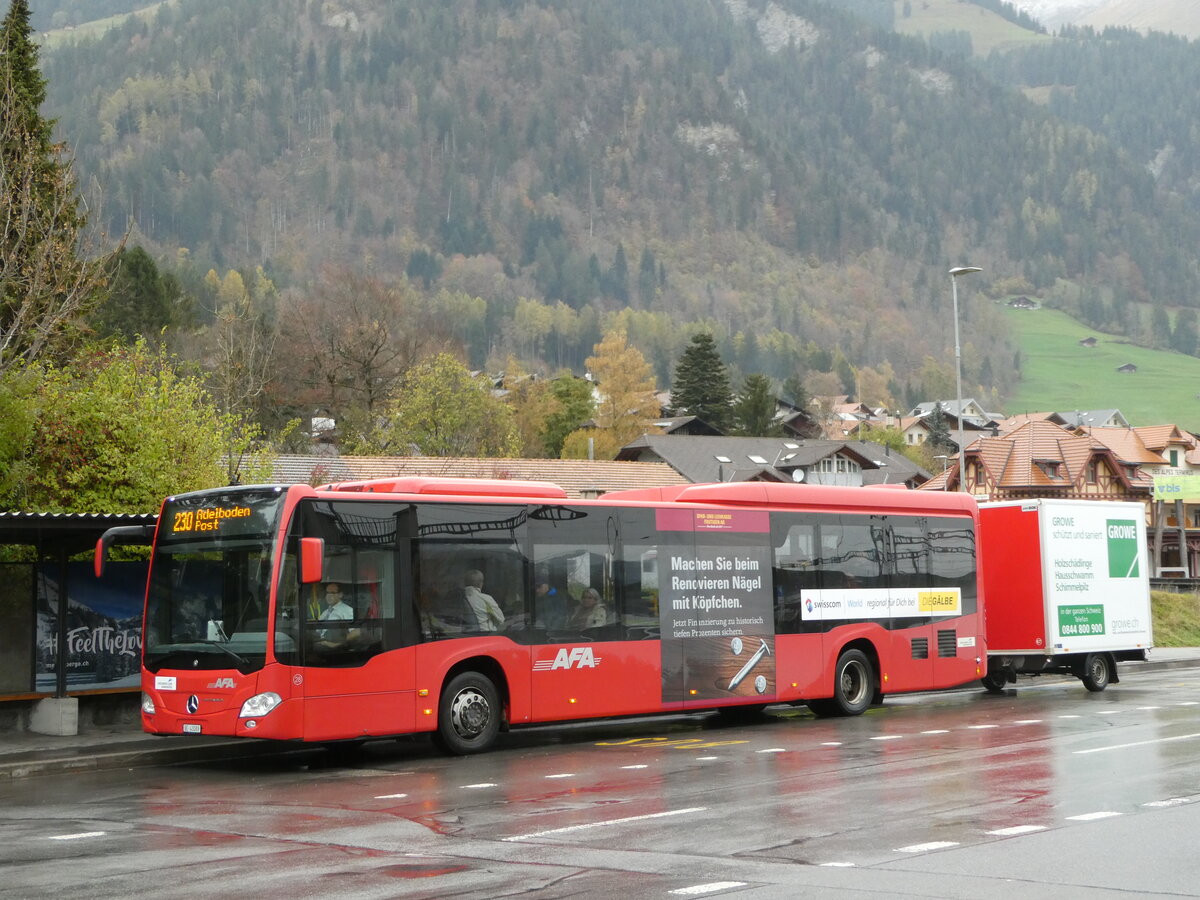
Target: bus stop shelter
(63,632)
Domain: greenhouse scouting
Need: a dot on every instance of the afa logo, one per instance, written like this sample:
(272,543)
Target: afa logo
(575,658)
(222,683)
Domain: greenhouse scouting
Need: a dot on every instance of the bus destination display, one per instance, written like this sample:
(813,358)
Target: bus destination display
(206,518)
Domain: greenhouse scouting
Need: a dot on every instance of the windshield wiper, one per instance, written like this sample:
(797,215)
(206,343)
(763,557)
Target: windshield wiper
(241,660)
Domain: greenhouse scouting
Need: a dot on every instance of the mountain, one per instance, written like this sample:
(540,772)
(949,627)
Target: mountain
(1180,17)
(793,177)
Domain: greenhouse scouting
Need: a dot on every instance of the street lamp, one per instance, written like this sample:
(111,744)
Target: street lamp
(962,456)
(945,465)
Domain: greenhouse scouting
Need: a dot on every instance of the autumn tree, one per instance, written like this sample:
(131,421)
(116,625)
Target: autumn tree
(576,405)
(115,433)
(444,410)
(345,345)
(46,280)
(701,383)
(627,405)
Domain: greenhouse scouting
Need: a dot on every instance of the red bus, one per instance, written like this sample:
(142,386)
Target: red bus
(462,607)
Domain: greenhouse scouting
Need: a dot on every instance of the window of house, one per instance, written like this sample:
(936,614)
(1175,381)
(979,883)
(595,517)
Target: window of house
(1173,455)
(1093,472)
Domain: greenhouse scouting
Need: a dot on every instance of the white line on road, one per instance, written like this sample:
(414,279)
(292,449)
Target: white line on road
(981,727)
(475,787)
(75,837)
(838,865)
(925,848)
(697,889)
(1017,829)
(887,737)
(627,819)
(1174,801)
(937,731)
(1091,817)
(1178,737)
(1028,722)
(562,775)
(640,766)
(774,750)
(391,796)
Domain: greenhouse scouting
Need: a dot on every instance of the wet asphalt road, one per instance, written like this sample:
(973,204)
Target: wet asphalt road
(1046,791)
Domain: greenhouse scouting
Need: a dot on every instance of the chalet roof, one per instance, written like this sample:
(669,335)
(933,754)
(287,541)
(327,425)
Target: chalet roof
(700,458)
(1157,437)
(1011,422)
(1097,417)
(1127,444)
(578,477)
(1042,455)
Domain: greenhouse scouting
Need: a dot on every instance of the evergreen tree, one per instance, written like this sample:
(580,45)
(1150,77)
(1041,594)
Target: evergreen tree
(701,384)
(45,282)
(143,300)
(754,409)
(939,432)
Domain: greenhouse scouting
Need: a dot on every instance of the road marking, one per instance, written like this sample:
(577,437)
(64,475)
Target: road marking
(981,727)
(75,837)
(1174,801)
(831,743)
(1109,712)
(562,775)
(1149,707)
(1069,717)
(774,750)
(1017,829)
(1028,722)
(475,787)
(1178,737)
(635,767)
(391,796)
(838,865)
(1092,817)
(707,757)
(925,848)
(937,731)
(698,889)
(887,737)
(627,819)
(1189,702)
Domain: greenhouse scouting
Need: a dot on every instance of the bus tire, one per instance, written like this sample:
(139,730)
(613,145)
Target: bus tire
(1096,672)
(853,687)
(994,682)
(468,714)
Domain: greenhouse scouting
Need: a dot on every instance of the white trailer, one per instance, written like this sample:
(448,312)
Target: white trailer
(1066,588)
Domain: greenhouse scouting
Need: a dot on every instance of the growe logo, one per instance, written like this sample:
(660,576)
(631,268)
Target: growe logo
(575,658)
(220,683)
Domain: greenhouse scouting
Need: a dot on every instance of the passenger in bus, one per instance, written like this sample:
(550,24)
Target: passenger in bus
(432,624)
(487,610)
(550,605)
(590,613)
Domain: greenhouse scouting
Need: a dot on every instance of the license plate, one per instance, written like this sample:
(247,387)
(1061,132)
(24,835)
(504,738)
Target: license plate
(191,728)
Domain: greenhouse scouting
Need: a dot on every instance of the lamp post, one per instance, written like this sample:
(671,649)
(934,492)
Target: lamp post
(945,465)
(962,456)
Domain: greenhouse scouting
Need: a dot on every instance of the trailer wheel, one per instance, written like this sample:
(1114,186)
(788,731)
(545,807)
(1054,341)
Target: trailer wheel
(1097,671)
(853,687)
(468,714)
(994,682)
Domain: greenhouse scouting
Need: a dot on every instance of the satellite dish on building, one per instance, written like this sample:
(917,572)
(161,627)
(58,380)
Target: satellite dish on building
(797,475)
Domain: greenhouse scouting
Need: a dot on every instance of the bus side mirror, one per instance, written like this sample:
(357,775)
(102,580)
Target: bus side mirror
(312,560)
(121,534)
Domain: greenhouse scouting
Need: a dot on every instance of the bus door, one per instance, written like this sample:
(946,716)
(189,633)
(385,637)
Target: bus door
(358,669)
(582,666)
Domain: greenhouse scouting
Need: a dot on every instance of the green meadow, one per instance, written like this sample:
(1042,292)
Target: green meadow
(1058,373)
(988,31)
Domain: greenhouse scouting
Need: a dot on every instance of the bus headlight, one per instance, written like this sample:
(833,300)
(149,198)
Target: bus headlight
(147,704)
(260,705)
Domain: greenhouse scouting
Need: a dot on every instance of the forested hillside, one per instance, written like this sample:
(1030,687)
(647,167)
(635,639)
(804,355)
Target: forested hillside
(780,172)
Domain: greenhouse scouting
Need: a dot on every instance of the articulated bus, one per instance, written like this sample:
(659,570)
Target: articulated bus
(462,607)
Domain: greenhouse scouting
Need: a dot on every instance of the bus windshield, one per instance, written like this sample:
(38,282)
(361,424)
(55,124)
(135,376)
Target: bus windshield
(208,600)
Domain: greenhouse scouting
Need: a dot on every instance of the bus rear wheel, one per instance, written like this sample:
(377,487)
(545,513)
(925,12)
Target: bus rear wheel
(853,687)
(468,714)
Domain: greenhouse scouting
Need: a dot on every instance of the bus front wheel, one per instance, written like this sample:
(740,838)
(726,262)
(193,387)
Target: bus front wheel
(853,687)
(468,715)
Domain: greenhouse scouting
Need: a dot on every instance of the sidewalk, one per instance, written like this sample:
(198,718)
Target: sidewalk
(124,745)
